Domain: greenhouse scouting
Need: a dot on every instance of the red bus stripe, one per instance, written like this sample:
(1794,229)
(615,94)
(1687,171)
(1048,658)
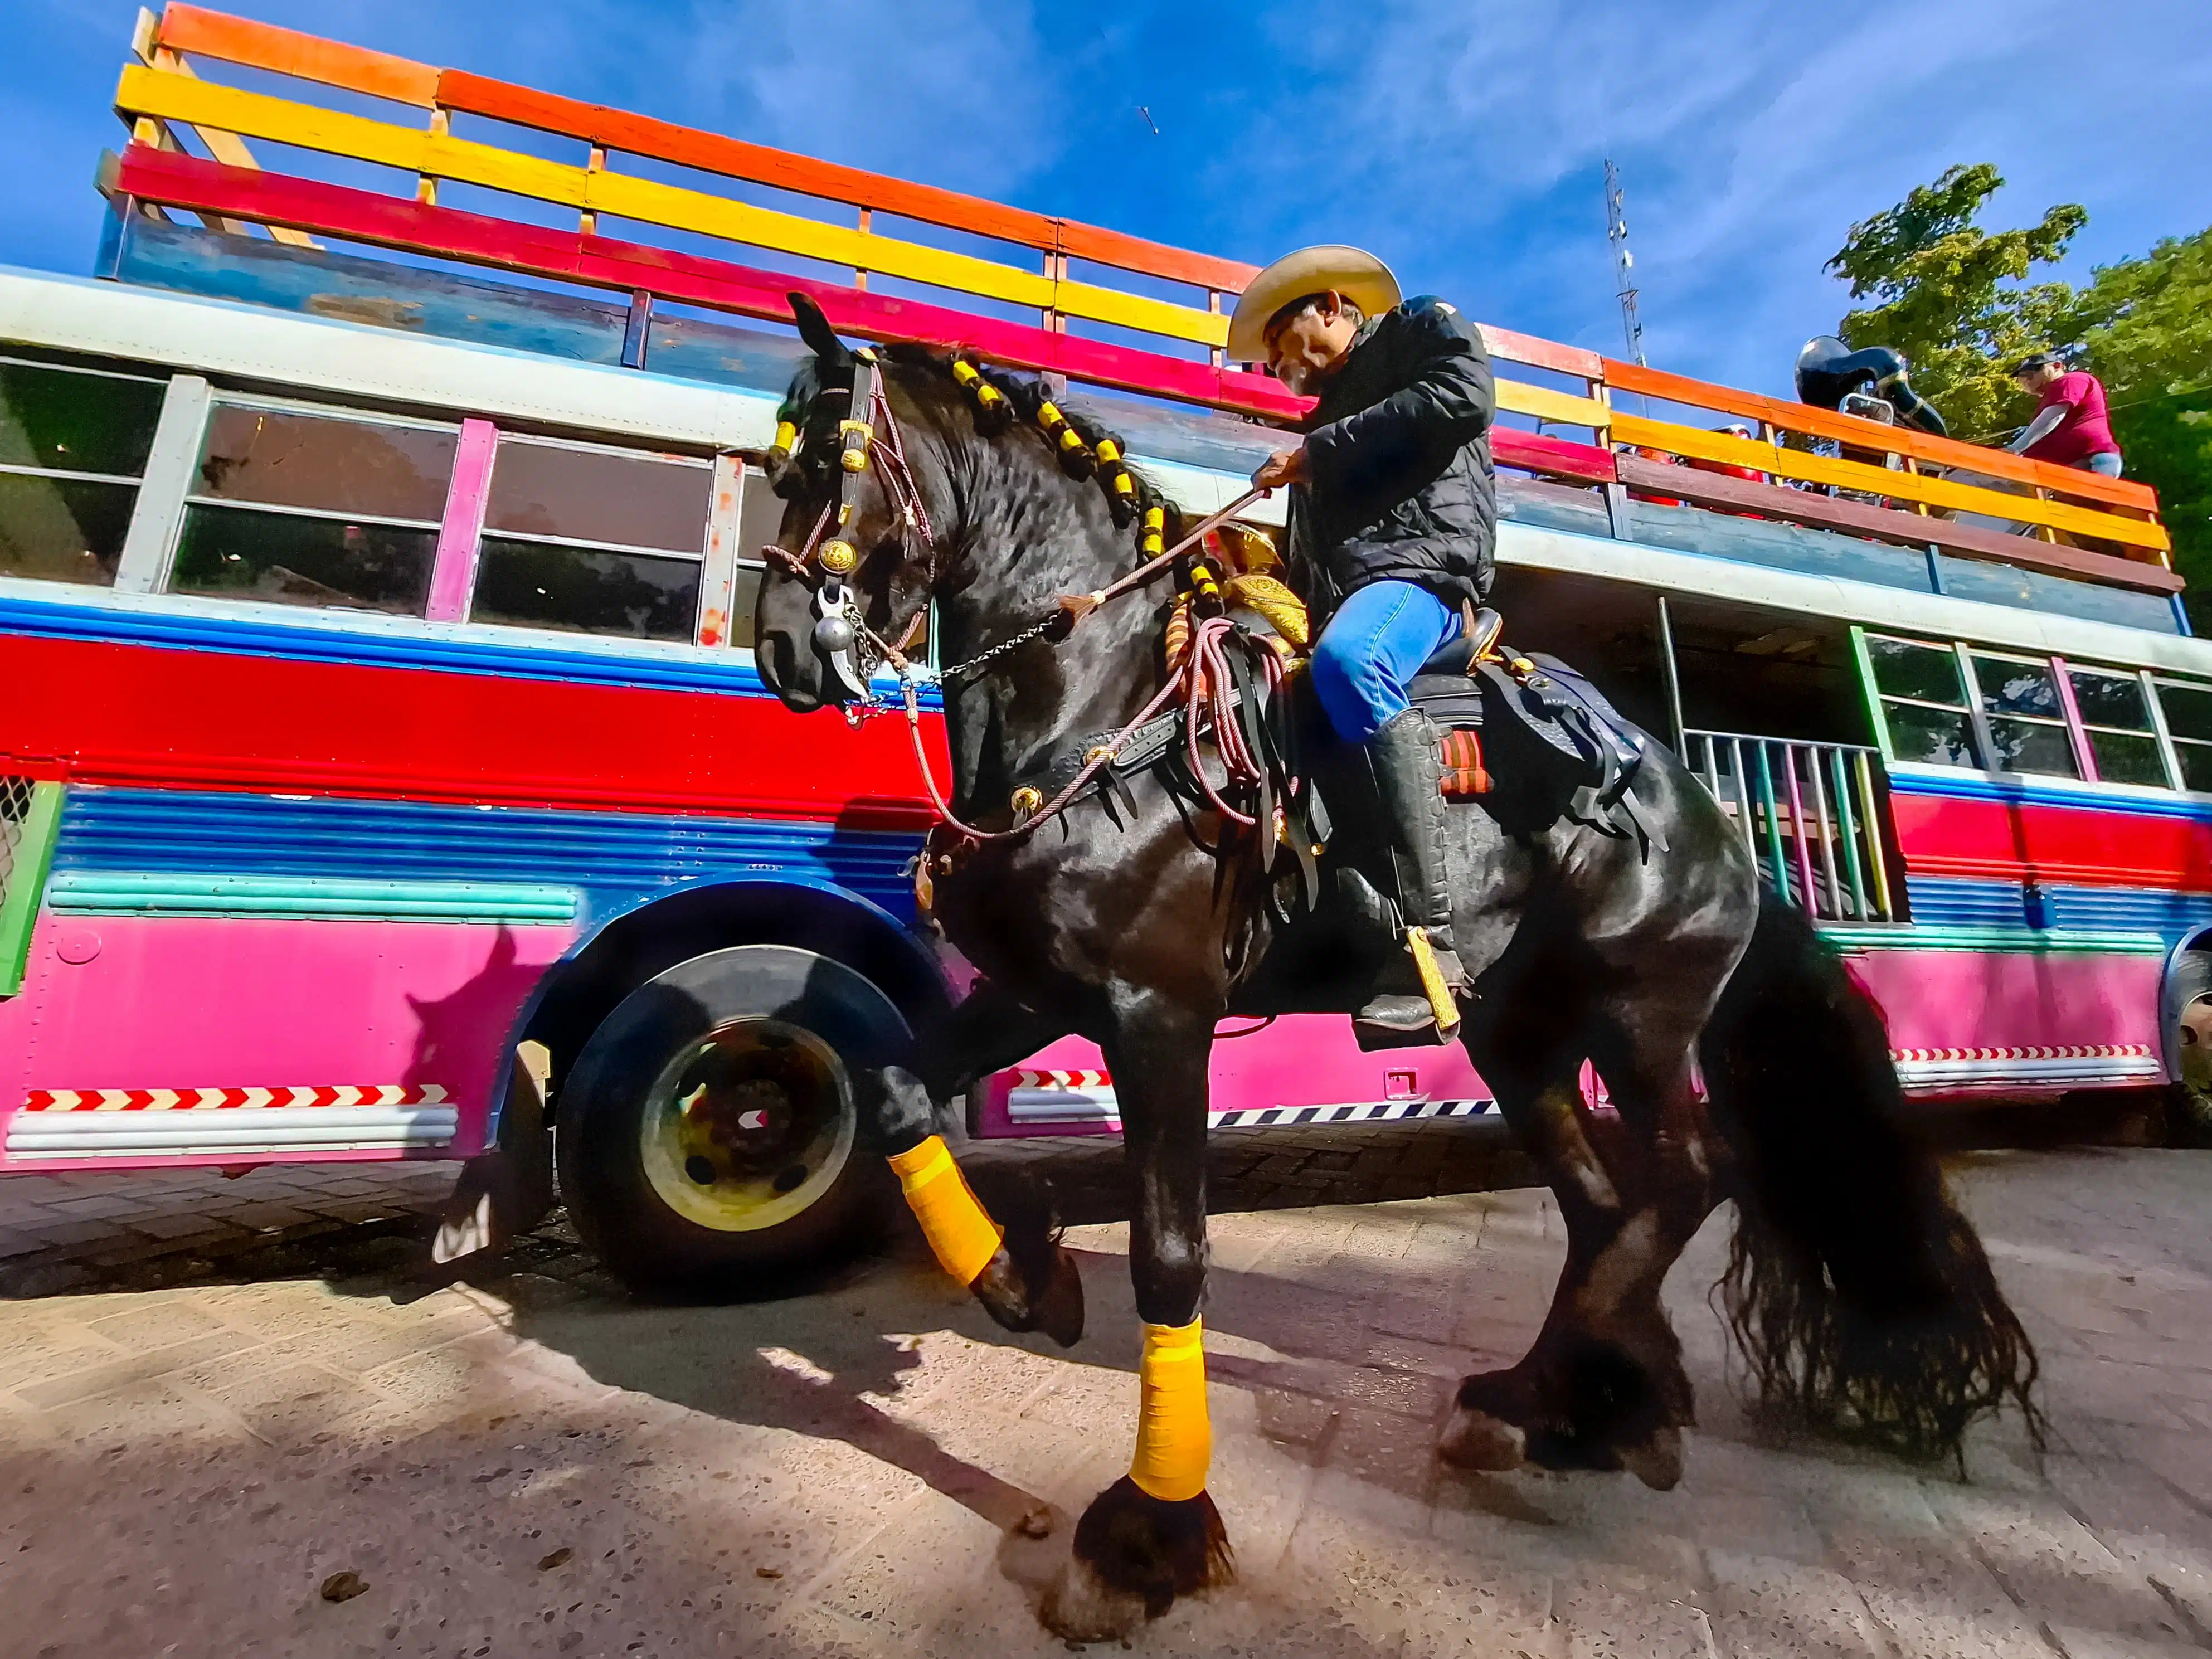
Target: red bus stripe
(199,719)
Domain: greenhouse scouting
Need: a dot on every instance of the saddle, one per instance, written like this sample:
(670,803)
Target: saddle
(1558,737)
(1562,749)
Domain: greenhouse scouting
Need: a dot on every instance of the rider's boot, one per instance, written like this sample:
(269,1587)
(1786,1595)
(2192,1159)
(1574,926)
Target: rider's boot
(1416,1001)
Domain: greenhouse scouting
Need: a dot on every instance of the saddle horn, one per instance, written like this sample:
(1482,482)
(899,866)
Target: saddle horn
(1829,371)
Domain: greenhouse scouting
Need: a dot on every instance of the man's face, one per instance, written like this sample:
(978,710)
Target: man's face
(1310,347)
(2033,380)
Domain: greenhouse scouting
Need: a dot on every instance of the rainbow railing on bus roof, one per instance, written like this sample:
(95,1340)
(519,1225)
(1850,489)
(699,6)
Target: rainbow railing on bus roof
(1078,282)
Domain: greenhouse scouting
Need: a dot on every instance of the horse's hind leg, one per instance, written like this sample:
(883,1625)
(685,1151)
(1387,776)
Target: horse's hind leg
(1154,1534)
(1014,1265)
(1603,1386)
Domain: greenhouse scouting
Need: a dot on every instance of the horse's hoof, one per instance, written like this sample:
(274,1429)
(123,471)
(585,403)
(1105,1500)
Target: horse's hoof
(1008,1289)
(1475,1440)
(1082,1606)
(1134,1553)
(1656,1461)
(1059,1308)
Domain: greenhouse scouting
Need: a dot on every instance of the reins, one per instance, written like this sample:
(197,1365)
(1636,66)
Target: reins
(1203,675)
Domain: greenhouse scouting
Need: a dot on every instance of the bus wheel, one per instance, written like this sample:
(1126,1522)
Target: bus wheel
(707,1137)
(2190,1122)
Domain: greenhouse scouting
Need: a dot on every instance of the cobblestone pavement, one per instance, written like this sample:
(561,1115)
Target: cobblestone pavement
(216,1397)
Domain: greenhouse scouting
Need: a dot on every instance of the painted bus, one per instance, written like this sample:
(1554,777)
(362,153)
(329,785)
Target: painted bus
(378,538)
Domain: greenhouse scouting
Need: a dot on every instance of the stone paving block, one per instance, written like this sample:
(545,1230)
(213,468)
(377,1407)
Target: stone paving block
(1389,1587)
(103,1376)
(894,1583)
(2052,1565)
(142,1417)
(2137,1515)
(2077,1643)
(1765,1608)
(154,1324)
(1618,1615)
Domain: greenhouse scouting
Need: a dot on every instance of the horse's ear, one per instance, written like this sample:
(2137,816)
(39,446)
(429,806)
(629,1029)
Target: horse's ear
(822,339)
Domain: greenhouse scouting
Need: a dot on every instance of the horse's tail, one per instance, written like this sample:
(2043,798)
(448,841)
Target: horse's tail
(1860,1294)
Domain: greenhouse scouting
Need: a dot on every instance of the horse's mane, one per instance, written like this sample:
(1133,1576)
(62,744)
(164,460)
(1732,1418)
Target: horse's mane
(1026,405)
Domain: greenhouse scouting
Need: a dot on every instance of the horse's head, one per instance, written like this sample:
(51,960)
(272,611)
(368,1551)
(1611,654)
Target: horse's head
(856,538)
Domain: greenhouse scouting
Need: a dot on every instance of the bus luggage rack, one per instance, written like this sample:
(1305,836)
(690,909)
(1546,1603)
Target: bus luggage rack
(1811,814)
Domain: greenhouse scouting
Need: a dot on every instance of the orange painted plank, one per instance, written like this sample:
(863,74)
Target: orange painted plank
(1870,434)
(1543,354)
(1930,488)
(287,52)
(734,158)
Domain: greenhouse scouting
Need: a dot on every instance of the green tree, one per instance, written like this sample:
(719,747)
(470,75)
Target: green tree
(1948,295)
(2144,327)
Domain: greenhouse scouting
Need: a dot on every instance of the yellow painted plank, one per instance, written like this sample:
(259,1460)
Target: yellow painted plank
(1547,404)
(679,209)
(1900,486)
(173,97)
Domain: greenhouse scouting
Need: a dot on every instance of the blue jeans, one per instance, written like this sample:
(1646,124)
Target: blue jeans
(1371,649)
(2104,462)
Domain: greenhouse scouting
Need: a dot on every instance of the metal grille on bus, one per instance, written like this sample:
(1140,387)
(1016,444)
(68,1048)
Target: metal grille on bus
(14,807)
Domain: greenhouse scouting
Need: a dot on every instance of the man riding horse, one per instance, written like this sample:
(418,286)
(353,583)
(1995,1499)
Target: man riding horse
(1393,516)
(1140,910)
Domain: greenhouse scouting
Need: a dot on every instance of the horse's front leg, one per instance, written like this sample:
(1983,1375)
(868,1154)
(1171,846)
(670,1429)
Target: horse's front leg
(1155,1534)
(1017,1271)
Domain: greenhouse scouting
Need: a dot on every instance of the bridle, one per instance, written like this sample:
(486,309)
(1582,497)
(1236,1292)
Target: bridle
(869,439)
(841,635)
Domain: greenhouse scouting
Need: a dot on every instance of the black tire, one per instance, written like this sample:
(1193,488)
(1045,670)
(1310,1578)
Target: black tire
(2189,1097)
(708,1140)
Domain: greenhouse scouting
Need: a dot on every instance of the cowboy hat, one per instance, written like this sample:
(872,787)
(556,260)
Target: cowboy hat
(1359,277)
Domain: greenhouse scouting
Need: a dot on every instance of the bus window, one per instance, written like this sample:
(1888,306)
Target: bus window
(2188,711)
(1924,701)
(2115,716)
(304,508)
(2027,723)
(760,520)
(73,445)
(593,540)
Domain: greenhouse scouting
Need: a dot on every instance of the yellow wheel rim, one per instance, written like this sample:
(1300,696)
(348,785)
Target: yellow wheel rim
(748,1127)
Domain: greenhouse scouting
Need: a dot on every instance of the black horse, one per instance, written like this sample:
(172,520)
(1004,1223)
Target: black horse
(1138,918)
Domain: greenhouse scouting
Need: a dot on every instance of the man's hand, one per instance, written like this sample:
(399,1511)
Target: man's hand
(1284,466)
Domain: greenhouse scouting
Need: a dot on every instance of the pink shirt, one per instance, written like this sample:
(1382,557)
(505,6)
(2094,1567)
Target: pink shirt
(2084,432)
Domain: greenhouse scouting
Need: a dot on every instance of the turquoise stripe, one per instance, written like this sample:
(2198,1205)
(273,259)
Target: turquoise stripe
(96,892)
(2008,941)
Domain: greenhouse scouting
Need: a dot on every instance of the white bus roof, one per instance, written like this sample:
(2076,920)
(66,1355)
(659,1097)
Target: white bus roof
(237,342)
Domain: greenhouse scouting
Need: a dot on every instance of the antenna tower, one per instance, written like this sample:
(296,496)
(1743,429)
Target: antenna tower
(1616,232)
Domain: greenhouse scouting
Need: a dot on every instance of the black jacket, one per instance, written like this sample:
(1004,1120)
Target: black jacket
(1403,488)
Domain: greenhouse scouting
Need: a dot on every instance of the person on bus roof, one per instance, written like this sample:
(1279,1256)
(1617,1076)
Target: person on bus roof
(1393,522)
(2069,427)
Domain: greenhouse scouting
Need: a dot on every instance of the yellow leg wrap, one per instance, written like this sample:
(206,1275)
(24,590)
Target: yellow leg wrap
(1432,982)
(963,1236)
(1174,1436)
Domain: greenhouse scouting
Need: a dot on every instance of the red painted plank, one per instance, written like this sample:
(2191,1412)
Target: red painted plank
(1534,452)
(1946,836)
(203,718)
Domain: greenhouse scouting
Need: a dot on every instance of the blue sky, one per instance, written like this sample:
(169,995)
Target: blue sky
(1461,139)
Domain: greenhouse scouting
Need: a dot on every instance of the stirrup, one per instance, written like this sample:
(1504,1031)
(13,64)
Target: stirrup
(1482,628)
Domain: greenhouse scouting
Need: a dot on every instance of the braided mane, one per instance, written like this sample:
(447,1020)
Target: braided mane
(1083,446)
